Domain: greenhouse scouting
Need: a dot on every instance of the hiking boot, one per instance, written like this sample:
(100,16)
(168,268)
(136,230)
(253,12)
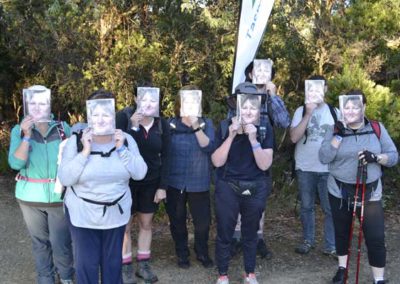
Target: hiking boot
(205,261)
(263,250)
(235,247)
(304,248)
(339,276)
(223,279)
(183,262)
(128,277)
(380,282)
(250,279)
(145,272)
(330,252)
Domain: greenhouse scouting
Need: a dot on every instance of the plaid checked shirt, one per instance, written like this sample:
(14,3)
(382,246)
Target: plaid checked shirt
(280,114)
(189,164)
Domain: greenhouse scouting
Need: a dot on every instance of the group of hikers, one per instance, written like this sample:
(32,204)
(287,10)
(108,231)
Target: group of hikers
(78,188)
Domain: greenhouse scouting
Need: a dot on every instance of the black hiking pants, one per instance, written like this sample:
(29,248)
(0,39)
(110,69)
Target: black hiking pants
(199,206)
(373,229)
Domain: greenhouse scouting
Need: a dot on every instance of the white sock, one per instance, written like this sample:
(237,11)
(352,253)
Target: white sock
(378,273)
(342,260)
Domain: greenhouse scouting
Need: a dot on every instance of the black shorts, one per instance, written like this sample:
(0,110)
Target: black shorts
(143,197)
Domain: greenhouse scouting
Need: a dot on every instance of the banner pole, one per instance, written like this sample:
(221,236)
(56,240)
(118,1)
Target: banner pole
(236,44)
(252,23)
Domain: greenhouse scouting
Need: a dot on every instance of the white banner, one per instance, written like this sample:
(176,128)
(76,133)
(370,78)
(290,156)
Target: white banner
(253,19)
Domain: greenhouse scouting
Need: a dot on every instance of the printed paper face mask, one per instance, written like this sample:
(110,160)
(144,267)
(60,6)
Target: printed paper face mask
(262,71)
(190,103)
(148,101)
(351,108)
(37,103)
(101,116)
(248,109)
(314,92)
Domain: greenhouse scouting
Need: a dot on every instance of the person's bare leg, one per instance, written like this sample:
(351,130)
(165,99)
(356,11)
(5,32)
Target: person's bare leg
(127,245)
(144,247)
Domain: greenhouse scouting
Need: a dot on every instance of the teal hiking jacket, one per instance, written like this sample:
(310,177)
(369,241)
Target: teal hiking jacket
(41,164)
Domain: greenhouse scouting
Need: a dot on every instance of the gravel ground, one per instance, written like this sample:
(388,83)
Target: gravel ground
(283,231)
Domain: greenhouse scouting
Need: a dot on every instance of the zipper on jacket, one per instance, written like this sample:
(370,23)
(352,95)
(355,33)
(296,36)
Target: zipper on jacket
(47,167)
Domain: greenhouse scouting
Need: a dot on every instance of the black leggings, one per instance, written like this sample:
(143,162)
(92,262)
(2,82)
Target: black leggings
(373,229)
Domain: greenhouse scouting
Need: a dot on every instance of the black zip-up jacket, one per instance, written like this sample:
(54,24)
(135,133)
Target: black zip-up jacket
(153,147)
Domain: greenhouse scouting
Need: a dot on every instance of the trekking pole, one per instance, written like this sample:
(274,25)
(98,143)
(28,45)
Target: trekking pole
(360,233)
(358,178)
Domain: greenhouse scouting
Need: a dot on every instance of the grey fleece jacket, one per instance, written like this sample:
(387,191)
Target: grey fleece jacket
(343,162)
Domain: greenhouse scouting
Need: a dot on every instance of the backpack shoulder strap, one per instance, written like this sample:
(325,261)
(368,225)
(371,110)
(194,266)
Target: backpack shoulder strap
(79,145)
(61,130)
(172,124)
(270,110)
(302,115)
(159,125)
(224,127)
(304,111)
(128,112)
(333,113)
(126,143)
(262,129)
(376,127)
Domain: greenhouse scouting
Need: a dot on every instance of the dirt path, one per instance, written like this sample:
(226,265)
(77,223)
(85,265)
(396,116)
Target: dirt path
(282,231)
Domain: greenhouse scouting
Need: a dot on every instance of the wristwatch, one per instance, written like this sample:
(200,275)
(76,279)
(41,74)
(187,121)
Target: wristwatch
(197,129)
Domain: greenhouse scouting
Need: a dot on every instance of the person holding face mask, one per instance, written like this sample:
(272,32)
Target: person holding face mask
(191,144)
(275,107)
(344,146)
(33,152)
(96,171)
(242,185)
(152,136)
(309,125)
(274,114)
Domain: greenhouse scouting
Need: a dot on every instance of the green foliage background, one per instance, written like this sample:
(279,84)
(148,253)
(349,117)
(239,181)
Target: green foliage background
(77,46)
